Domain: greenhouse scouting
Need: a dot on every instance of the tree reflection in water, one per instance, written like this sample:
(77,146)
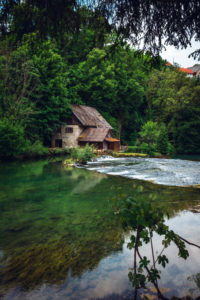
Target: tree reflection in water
(145,218)
(56,224)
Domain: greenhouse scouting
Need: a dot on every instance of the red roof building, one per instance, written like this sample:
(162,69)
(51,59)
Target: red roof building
(185,70)
(168,64)
(189,72)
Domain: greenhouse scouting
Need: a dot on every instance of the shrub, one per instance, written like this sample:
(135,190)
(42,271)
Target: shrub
(83,155)
(58,151)
(171,149)
(35,150)
(143,148)
(162,141)
(149,133)
(153,137)
(12,141)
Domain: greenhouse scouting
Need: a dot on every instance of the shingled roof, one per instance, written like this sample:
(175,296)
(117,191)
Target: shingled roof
(93,134)
(89,116)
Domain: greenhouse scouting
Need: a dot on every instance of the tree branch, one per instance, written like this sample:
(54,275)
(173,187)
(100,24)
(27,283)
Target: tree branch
(189,243)
(155,284)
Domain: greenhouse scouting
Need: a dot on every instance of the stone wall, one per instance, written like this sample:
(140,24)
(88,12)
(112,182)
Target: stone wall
(69,139)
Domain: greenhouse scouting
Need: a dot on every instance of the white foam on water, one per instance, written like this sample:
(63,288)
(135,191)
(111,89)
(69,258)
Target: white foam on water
(174,172)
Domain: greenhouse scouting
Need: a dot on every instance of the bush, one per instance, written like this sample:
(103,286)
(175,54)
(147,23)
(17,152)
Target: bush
(171,149)
(162,141)
(83,155)
(153,138)
(142,148)
(149,133)
(12,141)
(36,150)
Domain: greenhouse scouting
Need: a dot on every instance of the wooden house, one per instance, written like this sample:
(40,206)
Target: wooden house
(86,126)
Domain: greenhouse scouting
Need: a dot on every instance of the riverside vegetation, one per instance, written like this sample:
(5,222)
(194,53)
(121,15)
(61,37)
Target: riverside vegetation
(150,106)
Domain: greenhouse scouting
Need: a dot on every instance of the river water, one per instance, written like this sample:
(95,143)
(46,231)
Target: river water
(60,238)
(176,172)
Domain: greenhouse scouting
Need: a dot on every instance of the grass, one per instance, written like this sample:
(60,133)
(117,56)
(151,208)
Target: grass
(126,154)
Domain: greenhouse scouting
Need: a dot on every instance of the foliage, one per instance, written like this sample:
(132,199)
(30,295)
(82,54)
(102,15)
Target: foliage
(83,154)
(148,137)
(52,107)
(35,150)
(45,65)
(12,141)
(19,80)
(114,83)
(125,154)
(145,218)
(153,138)
(162,140)
(149,133)
(173,99)
(33,88)
(175,22)
(196,279)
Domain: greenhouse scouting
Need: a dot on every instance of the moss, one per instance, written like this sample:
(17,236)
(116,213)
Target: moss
(122,154)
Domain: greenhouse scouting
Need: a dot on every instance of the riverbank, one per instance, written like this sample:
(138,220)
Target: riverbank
(45,152)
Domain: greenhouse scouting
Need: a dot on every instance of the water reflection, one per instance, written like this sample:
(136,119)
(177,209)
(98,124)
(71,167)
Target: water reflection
(59,238)
(49,230)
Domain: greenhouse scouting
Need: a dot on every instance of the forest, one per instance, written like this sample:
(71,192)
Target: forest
(47,63)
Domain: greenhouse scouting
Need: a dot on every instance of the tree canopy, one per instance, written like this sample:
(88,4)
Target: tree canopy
(153,22)
(54,53)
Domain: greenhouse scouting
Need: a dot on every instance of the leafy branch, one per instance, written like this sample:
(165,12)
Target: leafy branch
(144,218)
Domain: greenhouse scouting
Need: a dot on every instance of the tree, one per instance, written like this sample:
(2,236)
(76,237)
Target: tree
(173,99)
(33,88)
(162,140)
(114,83)
(174,22)
(19,80)
(12,140)
(156,23)
(52,106)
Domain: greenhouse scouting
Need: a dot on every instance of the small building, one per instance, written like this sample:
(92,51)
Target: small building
(86,126)
(187,71)
(196,70)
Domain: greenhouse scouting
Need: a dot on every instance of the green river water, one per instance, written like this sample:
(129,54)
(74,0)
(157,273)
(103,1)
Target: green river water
(59,237)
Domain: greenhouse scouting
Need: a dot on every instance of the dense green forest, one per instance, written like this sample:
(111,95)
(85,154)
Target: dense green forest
(80,58)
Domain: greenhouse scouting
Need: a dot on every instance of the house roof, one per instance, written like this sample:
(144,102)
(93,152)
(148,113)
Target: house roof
(111,140)
(93,134)
(89,116)
(168,64)
(185,70)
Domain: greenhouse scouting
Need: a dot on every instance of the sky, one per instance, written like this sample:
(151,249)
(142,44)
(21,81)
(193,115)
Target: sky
(180,56)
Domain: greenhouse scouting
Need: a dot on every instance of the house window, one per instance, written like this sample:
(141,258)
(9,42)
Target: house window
(69,130)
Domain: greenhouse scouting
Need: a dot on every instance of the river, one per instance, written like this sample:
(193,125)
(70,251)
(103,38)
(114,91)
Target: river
(59,236)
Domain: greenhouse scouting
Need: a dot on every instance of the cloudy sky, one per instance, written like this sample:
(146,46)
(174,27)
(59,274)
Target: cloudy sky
(181,56)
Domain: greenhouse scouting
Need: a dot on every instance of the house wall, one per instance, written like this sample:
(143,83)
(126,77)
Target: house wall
(189,75)
(198,74)
(105,145)
(69,139)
